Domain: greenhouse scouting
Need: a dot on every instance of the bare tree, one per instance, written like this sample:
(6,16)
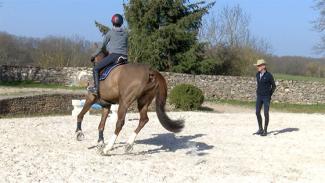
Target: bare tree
(229,27)
(210,32)
(231,45)
(234,24)
(319,25)
(47,52)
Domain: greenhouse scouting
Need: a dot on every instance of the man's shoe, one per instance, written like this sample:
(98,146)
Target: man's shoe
(264,133)
(93,90)
(259,132)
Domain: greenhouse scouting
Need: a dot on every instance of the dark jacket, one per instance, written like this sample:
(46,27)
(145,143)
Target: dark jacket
(265,85)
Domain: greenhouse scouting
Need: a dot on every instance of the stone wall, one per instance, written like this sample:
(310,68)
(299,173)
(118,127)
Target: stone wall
(221,87)
(243,88)
(64,75)
(38,105)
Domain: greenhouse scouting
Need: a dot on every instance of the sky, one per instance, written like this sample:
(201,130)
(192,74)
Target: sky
(285,24)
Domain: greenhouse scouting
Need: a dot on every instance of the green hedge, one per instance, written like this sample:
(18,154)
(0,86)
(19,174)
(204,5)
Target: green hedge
(186,97)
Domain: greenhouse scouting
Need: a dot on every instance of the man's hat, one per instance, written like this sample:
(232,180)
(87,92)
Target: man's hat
(260,62)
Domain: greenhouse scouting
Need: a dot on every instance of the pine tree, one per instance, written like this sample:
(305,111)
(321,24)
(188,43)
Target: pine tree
(163,33)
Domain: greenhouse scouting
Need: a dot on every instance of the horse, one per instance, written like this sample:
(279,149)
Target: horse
(126,84)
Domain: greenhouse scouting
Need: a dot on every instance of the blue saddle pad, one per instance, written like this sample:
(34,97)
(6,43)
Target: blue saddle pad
(108,70)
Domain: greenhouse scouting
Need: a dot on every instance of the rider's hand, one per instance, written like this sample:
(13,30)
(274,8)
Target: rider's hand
(92,59)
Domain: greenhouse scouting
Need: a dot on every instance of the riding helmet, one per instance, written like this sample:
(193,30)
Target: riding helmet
(117,20)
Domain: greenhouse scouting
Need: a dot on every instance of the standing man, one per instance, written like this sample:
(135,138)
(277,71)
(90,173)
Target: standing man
(265,89)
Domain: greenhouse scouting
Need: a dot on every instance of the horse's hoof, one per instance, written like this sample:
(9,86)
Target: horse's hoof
(105,150)
(101,145)
(80,136)
(100,151)
(128,148)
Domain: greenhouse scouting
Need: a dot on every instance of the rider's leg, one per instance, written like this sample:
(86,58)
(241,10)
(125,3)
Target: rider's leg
(94,90)
(110,59)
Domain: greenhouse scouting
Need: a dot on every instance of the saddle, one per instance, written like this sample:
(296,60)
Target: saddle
(108,69)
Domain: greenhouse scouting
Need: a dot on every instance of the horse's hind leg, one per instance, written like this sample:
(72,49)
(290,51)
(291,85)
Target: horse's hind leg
(90,100)
(121,113)
(143,105)
(101,126)
(143,109)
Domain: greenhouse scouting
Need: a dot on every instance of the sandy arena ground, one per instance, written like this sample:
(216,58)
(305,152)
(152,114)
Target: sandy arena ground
(214,147)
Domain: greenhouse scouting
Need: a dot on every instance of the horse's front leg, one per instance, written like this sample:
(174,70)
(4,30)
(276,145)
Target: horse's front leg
(101,126)
(90,100)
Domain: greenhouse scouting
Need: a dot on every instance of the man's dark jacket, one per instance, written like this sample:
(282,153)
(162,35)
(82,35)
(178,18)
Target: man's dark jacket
(265,85)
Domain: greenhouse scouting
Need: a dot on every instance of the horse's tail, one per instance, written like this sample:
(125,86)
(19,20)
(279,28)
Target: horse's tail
(161,96)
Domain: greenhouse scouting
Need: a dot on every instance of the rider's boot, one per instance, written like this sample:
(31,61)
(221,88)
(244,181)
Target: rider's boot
(94,90)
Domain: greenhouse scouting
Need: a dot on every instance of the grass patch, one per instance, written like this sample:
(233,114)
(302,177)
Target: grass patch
(33,84)
(298,78)
(300,108)
(279,107)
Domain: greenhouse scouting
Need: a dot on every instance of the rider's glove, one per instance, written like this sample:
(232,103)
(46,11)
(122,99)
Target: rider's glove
(92,59)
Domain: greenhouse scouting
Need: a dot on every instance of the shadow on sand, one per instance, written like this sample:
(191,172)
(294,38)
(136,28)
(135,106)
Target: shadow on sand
(285,130)
(206,109)
(168,142)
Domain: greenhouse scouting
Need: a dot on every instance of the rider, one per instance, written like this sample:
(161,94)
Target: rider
(117,38)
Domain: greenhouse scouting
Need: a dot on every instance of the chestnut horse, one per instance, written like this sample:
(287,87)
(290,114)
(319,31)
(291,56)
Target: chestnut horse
(126,84)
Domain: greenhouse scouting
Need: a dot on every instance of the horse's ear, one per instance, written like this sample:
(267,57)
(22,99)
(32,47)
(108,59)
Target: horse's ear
(95,46)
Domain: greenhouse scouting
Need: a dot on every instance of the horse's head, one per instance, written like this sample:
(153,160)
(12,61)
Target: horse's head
(101,55)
